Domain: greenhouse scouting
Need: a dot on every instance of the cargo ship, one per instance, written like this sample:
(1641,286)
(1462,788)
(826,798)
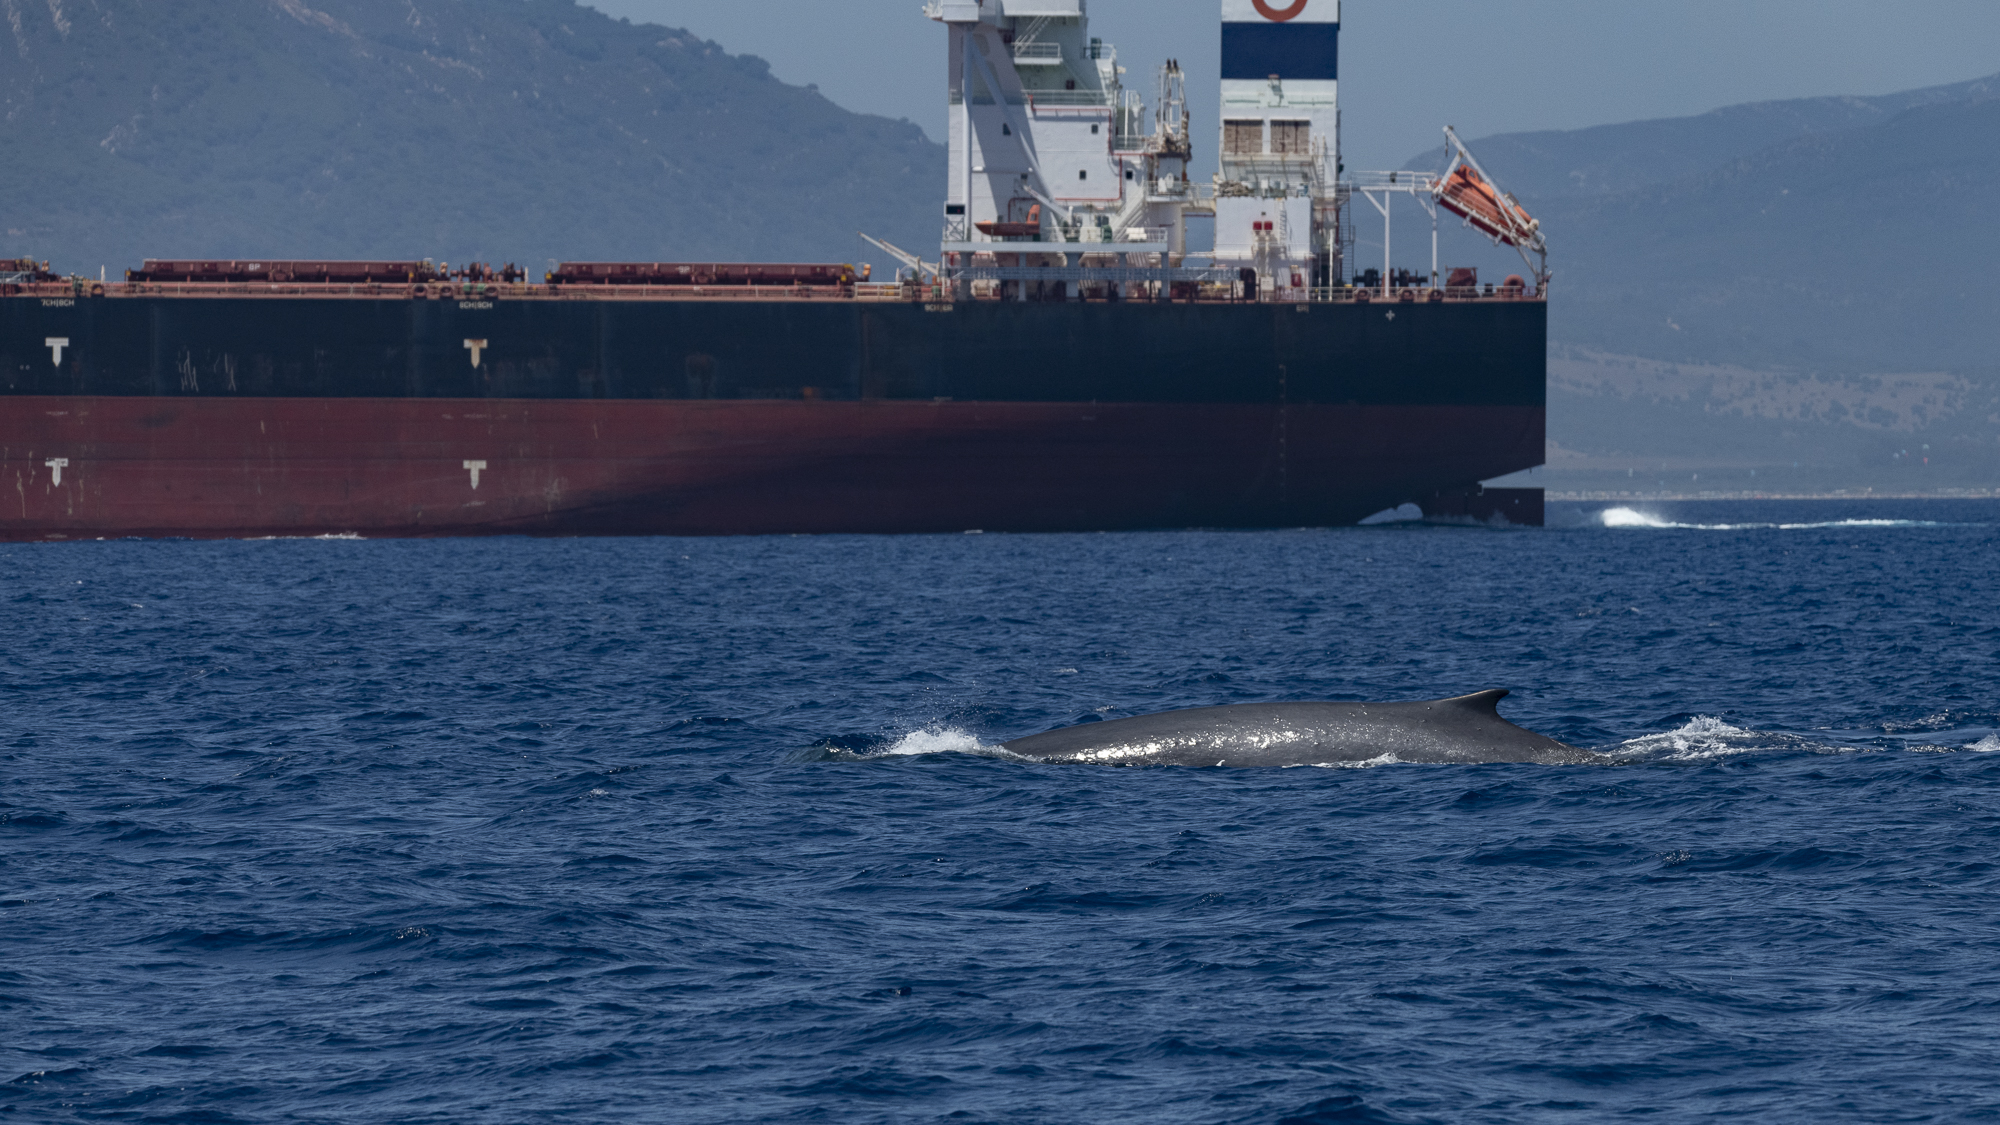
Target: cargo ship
(1063,363)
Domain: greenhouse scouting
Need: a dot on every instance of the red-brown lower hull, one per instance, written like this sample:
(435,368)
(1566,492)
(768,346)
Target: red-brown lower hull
(240,467)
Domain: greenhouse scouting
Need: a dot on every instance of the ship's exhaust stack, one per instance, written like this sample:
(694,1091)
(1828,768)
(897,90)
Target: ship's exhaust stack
(1276,204)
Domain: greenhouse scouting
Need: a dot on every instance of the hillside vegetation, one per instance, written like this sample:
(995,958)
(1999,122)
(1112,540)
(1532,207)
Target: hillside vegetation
(451,129)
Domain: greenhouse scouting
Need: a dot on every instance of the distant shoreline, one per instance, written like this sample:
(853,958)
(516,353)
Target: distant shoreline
(1553,495)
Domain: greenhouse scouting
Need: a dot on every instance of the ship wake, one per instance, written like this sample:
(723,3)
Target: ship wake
(1633,518)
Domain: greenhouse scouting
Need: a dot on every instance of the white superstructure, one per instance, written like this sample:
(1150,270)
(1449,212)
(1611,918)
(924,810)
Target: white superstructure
(1053,160)
(1059,179)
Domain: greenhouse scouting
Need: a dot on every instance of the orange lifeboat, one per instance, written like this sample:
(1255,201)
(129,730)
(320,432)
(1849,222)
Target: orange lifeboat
(1470,197)
(1030,229)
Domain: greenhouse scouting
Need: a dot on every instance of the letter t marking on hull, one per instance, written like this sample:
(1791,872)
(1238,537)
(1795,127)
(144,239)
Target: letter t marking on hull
(56,344)
(475,466)
(475,347)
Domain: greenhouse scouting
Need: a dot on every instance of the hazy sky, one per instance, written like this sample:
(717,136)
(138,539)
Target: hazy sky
(1408,68)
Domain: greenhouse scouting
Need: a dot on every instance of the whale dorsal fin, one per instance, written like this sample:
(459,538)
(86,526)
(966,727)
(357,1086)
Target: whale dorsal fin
(1481,702)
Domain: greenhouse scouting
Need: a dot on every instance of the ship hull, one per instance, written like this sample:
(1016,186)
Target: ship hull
(674,418)
(406,467)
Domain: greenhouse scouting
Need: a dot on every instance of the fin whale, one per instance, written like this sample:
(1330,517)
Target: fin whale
(1466,729)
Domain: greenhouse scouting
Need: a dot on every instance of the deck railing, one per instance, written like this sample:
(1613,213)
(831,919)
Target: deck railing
(1069,99)
(1209,284)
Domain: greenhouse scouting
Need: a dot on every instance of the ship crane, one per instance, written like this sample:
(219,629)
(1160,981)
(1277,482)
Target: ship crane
(1468,192)
(925,272)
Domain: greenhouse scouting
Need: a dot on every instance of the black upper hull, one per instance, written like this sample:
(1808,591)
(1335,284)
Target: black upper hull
(1459,354)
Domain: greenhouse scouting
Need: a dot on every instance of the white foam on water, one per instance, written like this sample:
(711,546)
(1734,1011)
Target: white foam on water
(1988,745)
(935,740)
(1698,738)
(343,536)
(1626,517)
(1633,518)
(1402,513)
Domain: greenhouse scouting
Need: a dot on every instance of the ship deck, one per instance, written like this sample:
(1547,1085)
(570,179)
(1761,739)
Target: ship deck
(887,293)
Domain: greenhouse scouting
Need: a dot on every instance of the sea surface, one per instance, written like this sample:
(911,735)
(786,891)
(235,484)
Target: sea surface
(716,830)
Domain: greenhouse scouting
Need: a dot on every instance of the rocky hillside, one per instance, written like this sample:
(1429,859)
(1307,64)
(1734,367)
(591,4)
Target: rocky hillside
(451,129)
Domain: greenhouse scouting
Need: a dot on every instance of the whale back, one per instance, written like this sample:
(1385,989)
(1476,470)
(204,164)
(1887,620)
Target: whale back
(1466,729)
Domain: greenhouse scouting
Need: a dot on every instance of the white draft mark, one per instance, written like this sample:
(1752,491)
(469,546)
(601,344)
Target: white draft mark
(475,347)
(475,467)
(58,464)
(56,344)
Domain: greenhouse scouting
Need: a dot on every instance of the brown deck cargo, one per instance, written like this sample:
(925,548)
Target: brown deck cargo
(329,272)
(702,273)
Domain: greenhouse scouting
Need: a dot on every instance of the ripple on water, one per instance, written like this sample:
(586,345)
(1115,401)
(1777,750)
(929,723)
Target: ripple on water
(722,830)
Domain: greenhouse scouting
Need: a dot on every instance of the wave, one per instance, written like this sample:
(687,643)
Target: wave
(340,536)
(936,738)
(1633,518)
(1705,738)
(1698,739)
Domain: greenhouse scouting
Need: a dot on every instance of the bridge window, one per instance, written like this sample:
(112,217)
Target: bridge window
(1243,138)
(1291,137)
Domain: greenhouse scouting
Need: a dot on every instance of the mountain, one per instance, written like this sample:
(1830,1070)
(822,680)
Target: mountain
(1857,251)
(1611,158)
(1803,283)
(492,130)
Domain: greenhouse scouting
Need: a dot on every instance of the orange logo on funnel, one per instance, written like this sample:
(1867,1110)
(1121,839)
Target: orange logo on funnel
(1265,9)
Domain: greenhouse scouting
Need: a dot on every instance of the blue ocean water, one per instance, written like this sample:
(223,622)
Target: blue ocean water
(713,830)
